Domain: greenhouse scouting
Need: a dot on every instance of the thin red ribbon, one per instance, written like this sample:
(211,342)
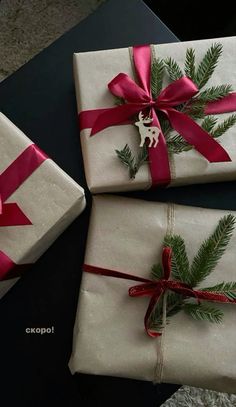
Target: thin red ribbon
(10,213)
(138,97)
(155,289)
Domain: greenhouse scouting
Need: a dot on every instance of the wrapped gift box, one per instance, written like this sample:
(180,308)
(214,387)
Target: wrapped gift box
(48,200)
(126,235)
(104,172)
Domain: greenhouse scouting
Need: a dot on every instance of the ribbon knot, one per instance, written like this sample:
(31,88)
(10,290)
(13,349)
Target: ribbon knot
(155,289)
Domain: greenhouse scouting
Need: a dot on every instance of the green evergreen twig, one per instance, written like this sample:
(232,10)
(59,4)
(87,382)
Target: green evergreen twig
(203,264)
(189,67)
(157,73)
(126,157)
(173,69)
(211,250)
(208,65)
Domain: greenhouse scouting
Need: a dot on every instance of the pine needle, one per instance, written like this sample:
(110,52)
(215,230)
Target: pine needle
(176,144)
(214,93)
(211,250)
(179,261)
(189,67)
(228,289)
(204,312)
(128,160)
(156,272)
(157,73)
(224,126)
(208,65)
(173,69)
(208,123)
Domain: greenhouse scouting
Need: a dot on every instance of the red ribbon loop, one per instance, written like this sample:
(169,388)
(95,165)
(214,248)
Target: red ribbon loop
(138,97)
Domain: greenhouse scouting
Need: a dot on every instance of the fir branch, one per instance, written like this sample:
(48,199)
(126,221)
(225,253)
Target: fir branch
(189,67)
(174,304)
(208,65)
(156,317)
(196,109)
(173,69)
(126,157)
(214,93)
(176,144)
(208,123)
(228,289)
(179,261)
(157,73)
(142,158)
(156,272)
(211,250)
(203,312)
(224,126)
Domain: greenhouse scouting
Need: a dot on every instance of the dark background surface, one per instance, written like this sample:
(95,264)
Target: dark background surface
(40,100)
(191,20)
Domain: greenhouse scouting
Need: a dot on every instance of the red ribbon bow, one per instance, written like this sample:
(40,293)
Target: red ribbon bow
(155,289)
(138,97)
(10,213)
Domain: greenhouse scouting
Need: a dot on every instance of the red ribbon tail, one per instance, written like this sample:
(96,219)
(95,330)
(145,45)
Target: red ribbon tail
(100,119)
(196,136)
(12,215)
(224,105)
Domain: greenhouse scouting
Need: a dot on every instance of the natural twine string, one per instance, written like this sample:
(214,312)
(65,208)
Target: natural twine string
(158,371)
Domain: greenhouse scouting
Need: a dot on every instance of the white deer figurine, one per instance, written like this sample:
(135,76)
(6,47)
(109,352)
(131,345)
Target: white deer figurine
(151,132)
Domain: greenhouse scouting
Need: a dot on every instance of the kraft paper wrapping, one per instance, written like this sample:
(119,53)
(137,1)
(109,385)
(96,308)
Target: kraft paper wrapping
(104,171)
(49,198)
(126,235)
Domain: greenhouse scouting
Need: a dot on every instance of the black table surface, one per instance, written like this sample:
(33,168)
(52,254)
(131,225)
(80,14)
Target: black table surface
(40,99)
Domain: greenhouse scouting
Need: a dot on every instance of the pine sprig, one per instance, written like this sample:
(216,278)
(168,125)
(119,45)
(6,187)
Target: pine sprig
(142,158)
(173,69)
(189,67)
(126,157)
(224,126)
(208,65)
(211,251)
(128,160)
(203,264)
(214,93)
(204,312)
(196,109)
(179,261)
(228,289)
(156,272)
(156,317)
(208,123)
(157,73)
(176,144)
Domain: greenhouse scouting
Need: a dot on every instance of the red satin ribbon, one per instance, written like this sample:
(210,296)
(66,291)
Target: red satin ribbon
(138,97)
(155,289)
(10,213)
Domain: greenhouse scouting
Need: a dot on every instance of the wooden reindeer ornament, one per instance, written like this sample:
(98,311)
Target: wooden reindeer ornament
(150,132)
